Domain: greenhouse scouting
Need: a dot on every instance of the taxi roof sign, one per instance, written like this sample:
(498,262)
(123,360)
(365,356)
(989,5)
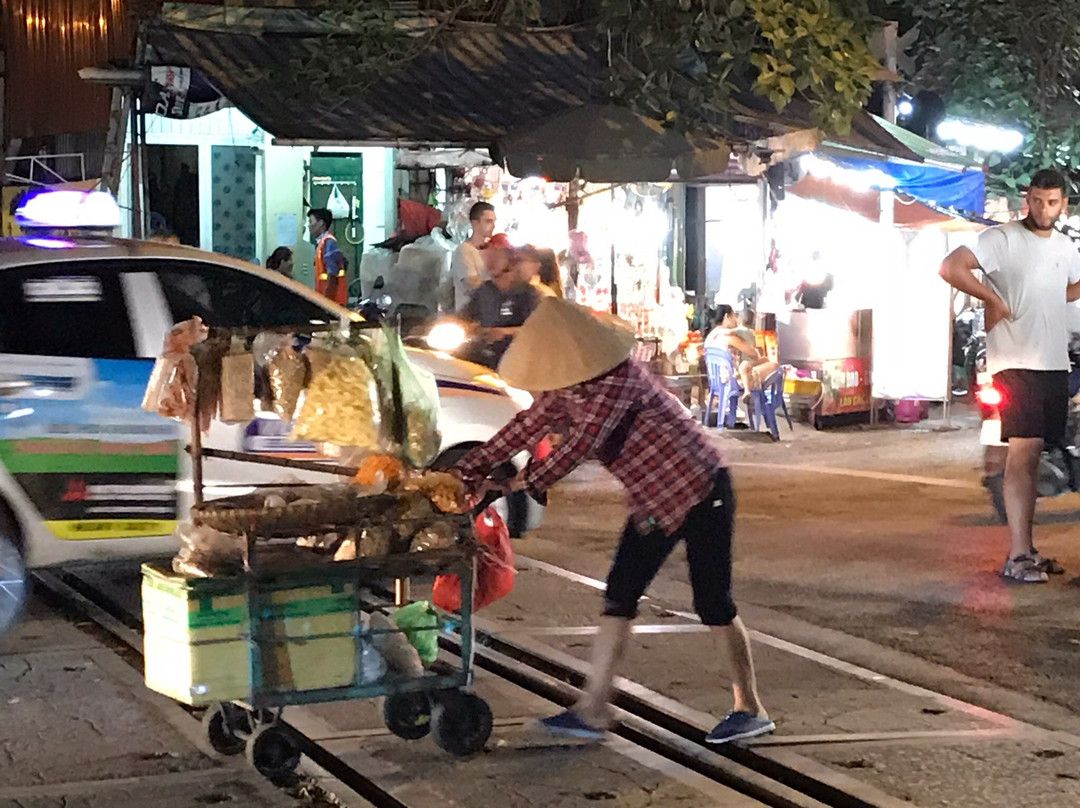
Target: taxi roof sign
(68,210)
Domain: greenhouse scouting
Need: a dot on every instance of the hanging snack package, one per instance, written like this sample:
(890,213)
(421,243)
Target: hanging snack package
(208,358)
(171,390)
(288,371)
(418,394)
(342,406)
(237,385)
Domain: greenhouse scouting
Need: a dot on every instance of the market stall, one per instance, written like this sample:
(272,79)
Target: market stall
(298,593)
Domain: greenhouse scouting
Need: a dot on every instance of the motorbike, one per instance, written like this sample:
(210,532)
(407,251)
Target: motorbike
(969,352)
(1059,466)
(381,306)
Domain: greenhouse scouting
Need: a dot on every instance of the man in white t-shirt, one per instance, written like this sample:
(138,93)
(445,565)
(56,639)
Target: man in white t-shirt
(467,264)
(1031,273)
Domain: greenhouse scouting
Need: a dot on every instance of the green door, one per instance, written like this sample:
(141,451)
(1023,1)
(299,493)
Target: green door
(332,178)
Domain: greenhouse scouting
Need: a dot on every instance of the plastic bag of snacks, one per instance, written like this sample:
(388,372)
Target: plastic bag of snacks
(288,372)
(237,385)
(171,390)
(418,394)
(208,355)
(445,491)
(342,405)
(421,626)
(495,570)
(205,552)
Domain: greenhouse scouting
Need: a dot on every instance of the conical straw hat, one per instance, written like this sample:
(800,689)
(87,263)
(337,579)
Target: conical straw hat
(563,344)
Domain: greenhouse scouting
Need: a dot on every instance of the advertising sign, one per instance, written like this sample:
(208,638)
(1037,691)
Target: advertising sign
(845,386)
(94,464)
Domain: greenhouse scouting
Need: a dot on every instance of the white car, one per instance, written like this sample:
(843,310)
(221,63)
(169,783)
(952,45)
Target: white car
(85,473)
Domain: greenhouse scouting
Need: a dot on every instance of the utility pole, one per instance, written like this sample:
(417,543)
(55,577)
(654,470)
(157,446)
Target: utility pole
(892,49)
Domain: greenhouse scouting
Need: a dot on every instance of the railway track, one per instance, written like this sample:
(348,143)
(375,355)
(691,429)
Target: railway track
(642,718)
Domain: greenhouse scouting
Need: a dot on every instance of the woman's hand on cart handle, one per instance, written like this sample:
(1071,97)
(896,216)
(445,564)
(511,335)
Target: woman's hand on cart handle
(506,486)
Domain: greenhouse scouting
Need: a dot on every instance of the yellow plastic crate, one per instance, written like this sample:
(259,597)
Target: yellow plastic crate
(196,637)
(794,386)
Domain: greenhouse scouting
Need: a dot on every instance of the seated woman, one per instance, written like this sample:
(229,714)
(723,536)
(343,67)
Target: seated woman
(751,365)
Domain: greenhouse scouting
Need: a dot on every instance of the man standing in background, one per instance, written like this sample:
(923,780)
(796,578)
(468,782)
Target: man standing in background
(1032,271)
(330,263)
(467,265)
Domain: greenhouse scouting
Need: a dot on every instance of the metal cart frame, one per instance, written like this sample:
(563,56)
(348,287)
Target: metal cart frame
(437,702)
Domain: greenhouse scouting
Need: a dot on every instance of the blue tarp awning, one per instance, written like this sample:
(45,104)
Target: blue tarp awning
(939,187)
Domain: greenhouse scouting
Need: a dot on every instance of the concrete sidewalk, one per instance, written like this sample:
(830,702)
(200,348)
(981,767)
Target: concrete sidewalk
(79,729)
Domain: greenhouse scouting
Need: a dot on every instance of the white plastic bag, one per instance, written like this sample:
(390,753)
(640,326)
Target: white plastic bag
(338,204)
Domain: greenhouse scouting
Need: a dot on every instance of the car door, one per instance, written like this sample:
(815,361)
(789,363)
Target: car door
(78,452)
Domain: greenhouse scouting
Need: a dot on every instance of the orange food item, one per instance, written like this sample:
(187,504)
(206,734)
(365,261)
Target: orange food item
(389,466)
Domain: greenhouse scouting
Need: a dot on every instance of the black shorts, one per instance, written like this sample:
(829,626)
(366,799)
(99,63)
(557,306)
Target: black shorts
(707,532)
(1034,404)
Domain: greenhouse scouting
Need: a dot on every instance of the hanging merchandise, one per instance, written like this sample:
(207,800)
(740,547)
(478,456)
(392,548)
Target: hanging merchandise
(171,391)
(238,385)
(338,205)
(417,393)
(495,571)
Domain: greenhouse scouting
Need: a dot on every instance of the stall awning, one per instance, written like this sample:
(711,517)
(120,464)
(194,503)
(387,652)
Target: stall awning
(942,178)
(908,212)
(475,86)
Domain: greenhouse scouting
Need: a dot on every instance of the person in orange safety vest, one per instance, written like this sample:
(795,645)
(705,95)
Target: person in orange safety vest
(330,263)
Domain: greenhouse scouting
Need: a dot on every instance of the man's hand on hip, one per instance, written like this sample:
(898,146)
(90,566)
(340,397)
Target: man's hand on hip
(996,311)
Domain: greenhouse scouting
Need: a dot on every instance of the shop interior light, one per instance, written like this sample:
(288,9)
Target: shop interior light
(980,136)
(91,210)
(863,179)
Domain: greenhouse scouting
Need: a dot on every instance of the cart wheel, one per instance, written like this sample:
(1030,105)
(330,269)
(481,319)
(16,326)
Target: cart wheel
(273,752)
(408,715)
(220,724)
(461,723)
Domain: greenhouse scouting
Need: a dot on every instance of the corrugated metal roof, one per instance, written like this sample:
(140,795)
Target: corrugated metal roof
(46,42)
(477,84)
(474,86)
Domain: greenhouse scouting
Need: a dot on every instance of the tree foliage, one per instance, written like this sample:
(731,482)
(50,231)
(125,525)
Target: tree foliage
(677,60)
(682,60)
(1013,63)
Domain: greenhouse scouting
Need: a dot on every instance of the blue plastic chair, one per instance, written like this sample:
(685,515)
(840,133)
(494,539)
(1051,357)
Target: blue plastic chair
(724,387)
(767,401)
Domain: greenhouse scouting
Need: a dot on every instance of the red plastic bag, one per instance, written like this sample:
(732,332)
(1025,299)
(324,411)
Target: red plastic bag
(494,570)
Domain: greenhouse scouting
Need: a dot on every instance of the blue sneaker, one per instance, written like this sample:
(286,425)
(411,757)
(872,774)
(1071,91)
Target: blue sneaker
(569,724)
(739,726)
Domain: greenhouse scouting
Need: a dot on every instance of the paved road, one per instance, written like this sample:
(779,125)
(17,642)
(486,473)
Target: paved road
(883,534)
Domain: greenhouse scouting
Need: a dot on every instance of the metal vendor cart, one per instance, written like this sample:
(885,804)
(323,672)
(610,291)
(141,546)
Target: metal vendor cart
(296,627)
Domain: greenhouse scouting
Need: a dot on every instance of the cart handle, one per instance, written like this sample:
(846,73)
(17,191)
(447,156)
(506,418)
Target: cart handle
(285,462)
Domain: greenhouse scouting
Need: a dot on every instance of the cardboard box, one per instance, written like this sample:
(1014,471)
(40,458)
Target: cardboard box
(196,633)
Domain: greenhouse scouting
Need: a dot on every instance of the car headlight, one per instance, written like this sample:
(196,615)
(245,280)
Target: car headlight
(446,337)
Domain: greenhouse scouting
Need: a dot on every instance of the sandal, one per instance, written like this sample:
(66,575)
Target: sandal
(1048,565)
(1023,570)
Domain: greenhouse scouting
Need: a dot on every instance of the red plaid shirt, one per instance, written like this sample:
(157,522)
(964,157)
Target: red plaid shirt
(666,462)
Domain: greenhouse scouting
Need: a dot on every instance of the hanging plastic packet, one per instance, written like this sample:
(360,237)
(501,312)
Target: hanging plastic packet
(171,389)
(421,626)
(342,406)
(417,394)
(208,357)
(288,371)
(238,385)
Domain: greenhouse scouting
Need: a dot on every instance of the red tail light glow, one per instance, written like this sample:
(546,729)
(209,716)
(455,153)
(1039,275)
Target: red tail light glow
(989,396)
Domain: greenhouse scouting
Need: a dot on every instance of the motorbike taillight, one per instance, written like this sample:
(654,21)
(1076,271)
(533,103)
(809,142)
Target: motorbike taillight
(989,396)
